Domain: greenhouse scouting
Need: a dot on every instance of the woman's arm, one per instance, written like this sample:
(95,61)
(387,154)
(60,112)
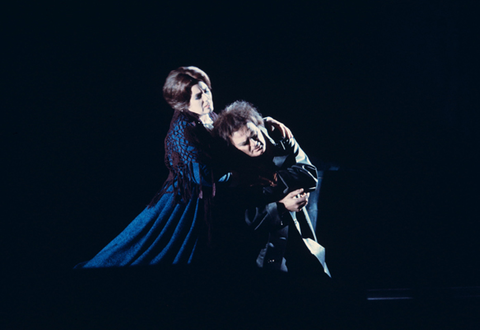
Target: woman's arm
(188,157)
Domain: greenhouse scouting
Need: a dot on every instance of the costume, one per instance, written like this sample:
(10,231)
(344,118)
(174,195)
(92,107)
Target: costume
(287,238)
(175,226)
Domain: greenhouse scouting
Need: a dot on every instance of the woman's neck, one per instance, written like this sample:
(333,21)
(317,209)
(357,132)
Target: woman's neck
(206,120)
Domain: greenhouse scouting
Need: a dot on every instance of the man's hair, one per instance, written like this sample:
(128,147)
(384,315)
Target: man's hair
(177,89)
(234,117)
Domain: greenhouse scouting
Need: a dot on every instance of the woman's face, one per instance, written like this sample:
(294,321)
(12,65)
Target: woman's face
(201,101)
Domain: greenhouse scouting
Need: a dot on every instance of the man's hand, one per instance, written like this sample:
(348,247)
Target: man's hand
(295,201)
(272,124)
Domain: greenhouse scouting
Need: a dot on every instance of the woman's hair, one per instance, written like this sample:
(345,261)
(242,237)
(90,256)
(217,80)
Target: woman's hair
(234,117)
(178,86)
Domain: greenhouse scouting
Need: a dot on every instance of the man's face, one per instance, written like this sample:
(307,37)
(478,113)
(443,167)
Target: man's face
(249,139)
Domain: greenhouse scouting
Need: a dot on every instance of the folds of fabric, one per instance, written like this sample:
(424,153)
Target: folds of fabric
(164,234)
(171,226)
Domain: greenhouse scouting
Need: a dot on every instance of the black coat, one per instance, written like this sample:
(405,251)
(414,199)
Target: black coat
(254,227)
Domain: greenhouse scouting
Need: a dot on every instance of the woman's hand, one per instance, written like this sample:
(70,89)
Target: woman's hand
(295,201)
(272,124)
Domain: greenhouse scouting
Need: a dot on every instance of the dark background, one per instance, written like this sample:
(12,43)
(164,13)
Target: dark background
(388,90)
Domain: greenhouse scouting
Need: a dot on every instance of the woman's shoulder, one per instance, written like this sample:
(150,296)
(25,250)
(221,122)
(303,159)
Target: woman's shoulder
(179,125)
(180,119)
(186,132)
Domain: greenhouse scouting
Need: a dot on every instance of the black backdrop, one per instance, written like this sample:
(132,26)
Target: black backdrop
(388,90)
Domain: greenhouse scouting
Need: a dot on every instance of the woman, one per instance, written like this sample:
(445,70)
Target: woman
(175,227)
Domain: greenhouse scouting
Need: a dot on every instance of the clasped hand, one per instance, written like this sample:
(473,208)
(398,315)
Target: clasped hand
(296,200)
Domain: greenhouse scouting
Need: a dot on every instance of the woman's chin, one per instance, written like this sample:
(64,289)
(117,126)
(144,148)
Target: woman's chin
(257,153)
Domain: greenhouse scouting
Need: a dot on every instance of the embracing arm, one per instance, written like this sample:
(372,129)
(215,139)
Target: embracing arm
(295,172)
(188,156)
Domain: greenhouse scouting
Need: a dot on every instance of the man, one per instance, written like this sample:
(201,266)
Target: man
(274,179)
